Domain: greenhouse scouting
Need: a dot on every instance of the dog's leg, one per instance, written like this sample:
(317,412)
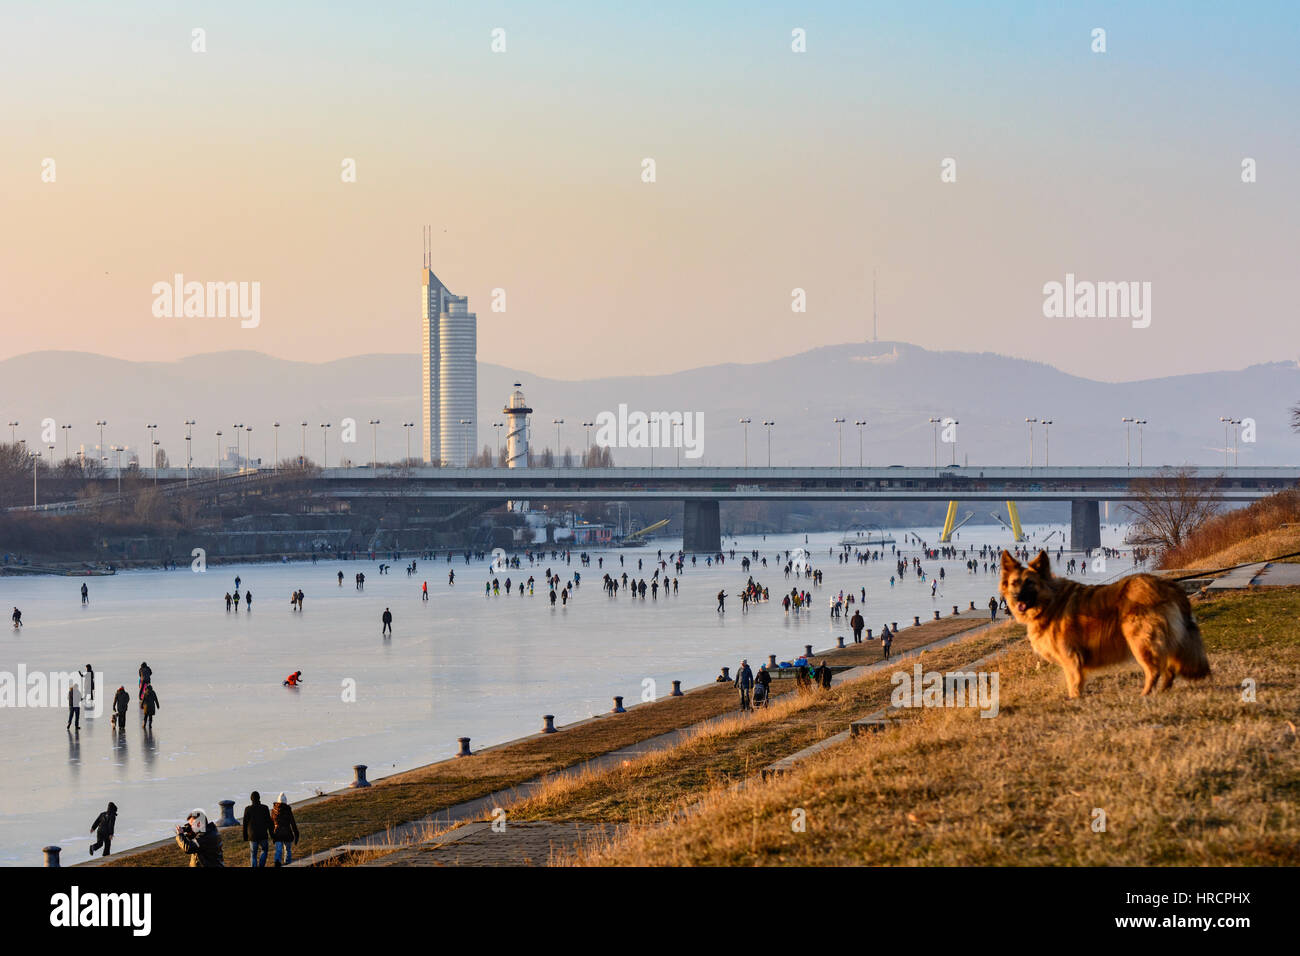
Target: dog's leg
(1168,677)
(1150,670)
(1073,676)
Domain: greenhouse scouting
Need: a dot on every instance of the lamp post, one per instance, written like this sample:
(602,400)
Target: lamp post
(155,461)
(745,422)
(860,426)
(954,423)
(275,446)
(189,448)
(677,440)
(304,445)
(839,453)
(768,425)
(117,466)
(13,435)
(101,425)
(467,422)
(218,456)
(557,422)
(1128,441)
(325,444)
(935,422)
(496,427)
(407,426)
(1141,442)
(1047,440)
(586,451)
(248,446)
(1030,422)
(66,429)
(36,460)
(374,443)
(239,457)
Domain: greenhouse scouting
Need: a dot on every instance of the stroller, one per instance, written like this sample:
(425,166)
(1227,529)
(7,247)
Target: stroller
(760,695)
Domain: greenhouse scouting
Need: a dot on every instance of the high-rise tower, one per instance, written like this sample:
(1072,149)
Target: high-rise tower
(450,368)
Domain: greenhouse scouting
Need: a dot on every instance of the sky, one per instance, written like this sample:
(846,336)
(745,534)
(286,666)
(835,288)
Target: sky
(774,171)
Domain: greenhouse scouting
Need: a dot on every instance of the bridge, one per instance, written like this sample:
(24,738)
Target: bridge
(703,488)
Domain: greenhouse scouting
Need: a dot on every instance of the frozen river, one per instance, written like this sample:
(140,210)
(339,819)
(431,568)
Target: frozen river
(457,665)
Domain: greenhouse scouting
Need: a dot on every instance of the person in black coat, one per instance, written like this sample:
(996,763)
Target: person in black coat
(257,829)
(103,829)
(199,838)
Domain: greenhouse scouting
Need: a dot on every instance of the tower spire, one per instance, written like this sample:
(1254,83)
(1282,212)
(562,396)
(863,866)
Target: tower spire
(874,336)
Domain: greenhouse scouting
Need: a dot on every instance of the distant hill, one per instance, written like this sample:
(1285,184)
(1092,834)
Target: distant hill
(895,387)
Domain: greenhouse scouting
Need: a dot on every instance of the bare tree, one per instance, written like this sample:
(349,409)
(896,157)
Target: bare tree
(1171,505)
(1295,416)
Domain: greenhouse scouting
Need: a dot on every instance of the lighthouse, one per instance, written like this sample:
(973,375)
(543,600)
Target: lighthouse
(517,412)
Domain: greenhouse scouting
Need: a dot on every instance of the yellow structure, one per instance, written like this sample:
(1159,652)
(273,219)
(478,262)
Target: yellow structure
(950,522)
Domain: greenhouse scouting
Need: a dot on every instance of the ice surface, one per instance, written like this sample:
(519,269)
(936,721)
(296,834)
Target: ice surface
(459,665)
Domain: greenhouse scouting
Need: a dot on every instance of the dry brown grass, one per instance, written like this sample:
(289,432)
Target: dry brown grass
(1247,534)
(1195,776)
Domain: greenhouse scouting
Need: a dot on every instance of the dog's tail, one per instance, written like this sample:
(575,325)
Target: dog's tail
(1186,647)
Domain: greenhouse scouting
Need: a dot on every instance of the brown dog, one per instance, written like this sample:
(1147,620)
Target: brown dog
(1082,627)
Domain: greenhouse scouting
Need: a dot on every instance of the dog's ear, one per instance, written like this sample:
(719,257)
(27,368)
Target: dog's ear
(1009,563)
(1041,565)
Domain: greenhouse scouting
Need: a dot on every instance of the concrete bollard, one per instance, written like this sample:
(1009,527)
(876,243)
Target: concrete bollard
(869,637)
(972,605)
(359,776)
(936,615)
(618,706)
(548,723)
(839,640)
(807,650)
(227,814)
(955,610)
(771,660)
(916,620)
(893,625)
(726,675)
(677,689)
(52,855)
(464,747)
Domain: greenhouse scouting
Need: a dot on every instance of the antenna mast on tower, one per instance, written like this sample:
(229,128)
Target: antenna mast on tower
(427,235)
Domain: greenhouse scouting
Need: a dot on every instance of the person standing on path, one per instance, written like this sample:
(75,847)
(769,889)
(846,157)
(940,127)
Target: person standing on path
(257,829)
(857,623)
(744,682)
(85,593)
(103,830)
(993,609)
(388,622)
(89,677)
(121,700)
(887,640)
(284,829)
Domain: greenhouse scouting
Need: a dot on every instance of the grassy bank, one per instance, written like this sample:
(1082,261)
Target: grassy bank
(1195,776)
(331,821)
(1265,528)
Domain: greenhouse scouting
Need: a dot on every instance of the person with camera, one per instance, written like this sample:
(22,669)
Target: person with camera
(199,838)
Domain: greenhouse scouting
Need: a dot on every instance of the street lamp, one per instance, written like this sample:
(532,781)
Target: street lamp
(586,451)
(66,429)
(155,461)
(768,425)
(218,456)
(1128,441)
(238,455)
(13,436)
(1047,440)
(117,466)
(745,422)
(557,422)
(189,424)
(1141,444)
(36,460)
(935,422)
(860,425)
(101,436)
(408,426)
(839,453)
(1030,422)
(954,423)
(496,427)
(248,446)
(303,463)
(374,443)
(275,447)
(467,422)
(325,444)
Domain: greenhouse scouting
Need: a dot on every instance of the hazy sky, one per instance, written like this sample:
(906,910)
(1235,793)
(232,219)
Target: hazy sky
(775,170)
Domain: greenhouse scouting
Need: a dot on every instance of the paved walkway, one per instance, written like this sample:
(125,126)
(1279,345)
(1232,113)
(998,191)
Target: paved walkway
(1238,579)
(1264,574)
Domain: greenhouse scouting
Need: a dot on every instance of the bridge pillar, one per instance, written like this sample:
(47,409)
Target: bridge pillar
(1085,525)
(702,527)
